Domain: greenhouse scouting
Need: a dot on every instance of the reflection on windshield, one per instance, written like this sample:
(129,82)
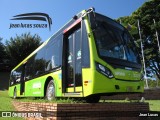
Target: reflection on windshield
(114,52)
(114,42)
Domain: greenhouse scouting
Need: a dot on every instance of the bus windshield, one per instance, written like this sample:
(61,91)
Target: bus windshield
(114,41)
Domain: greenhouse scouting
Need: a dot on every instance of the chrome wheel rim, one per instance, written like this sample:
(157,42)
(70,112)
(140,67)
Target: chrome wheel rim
(50,93)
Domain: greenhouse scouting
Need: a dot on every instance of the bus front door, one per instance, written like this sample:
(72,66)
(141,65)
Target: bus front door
(72,80)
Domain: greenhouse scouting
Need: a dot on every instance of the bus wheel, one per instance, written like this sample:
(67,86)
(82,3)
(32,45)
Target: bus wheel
(92,99)
(50,92)
(15,94)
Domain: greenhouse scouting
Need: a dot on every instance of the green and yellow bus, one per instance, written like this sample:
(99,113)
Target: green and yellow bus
(92,55)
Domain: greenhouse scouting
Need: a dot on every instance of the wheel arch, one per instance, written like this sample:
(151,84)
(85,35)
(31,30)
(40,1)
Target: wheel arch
(49,78)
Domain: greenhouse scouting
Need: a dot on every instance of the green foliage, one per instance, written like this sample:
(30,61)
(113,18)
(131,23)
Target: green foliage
(2,51)
(145,14)
(153,83)
(21,46)
(3,58)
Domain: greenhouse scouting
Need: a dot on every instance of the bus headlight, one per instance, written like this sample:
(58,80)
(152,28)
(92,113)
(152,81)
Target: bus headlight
(103,70)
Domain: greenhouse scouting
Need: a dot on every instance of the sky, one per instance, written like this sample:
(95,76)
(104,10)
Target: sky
(60,11)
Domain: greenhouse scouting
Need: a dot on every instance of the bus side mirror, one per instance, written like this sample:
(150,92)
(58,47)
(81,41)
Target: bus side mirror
(92,18)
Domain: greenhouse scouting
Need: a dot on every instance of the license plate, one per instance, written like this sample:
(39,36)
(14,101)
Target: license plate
(129,89)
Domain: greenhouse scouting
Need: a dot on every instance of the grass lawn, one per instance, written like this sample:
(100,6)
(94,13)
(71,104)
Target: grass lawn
(6,105)
(5,102)
(154,105)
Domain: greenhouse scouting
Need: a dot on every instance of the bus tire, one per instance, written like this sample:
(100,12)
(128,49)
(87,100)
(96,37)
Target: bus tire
(50,91)
(93,99)
(15,94)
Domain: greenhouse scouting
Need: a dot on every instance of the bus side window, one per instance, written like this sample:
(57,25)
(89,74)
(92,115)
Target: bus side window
(12,78)
(48,57)
(29,68)
(53,61)
(17,75)
(39,62)
(53,53)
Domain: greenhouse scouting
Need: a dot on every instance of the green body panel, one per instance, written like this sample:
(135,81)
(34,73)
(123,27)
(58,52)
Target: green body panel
(100,84)
(35,87)
(11,90)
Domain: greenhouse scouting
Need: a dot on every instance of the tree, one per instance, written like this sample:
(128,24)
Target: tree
(3,58)
(146,13)
(2,52)
(21,46)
